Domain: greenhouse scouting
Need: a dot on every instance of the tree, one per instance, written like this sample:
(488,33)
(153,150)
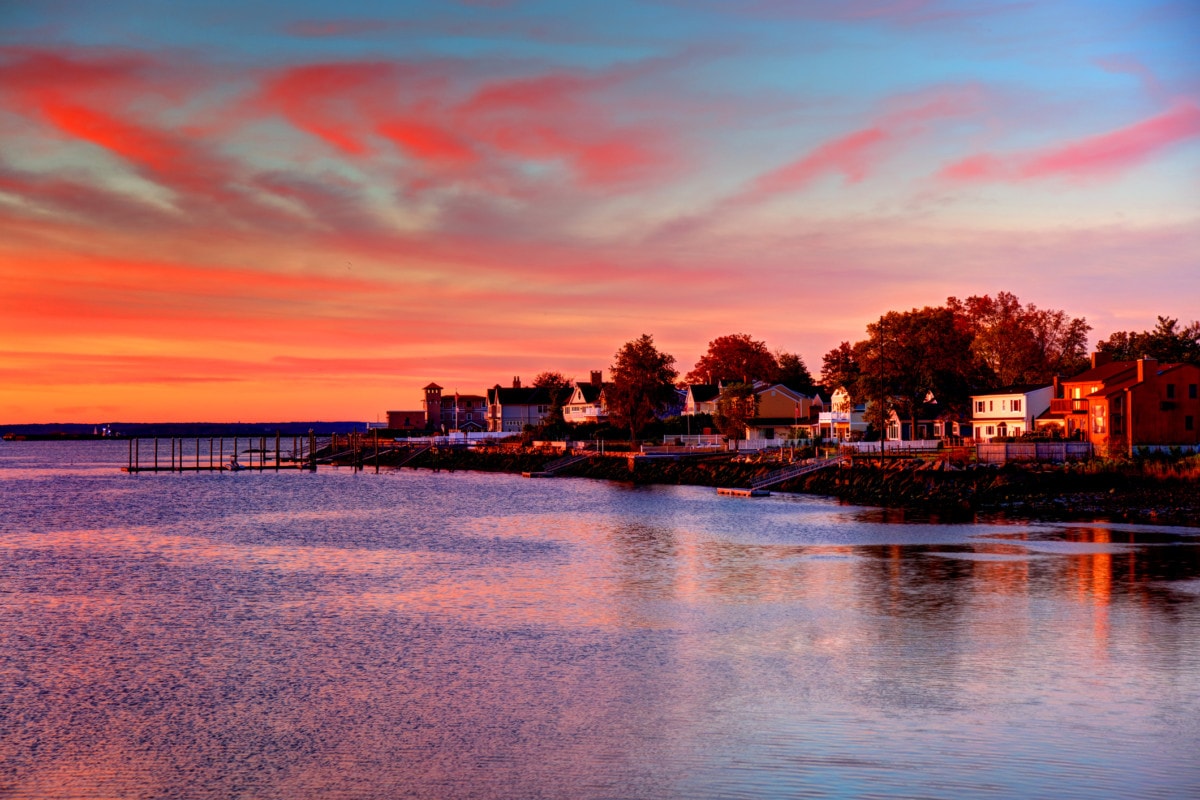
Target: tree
(1014,343)
(555,384)
(793,372)
(1166,343)
(643,384)
(737,405)
(840,367)
(735,357)
(910,356)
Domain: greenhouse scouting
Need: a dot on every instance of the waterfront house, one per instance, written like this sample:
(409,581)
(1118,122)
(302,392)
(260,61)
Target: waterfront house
(1010,411)
(510,409)
(844,420)
(586,403)
(1121,406)
(783,413)
(701,398)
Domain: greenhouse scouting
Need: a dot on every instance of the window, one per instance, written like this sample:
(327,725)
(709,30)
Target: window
(1004,405)
(991,430)
(1189,423)
(1170,391)
(1098,420)
(991,405)
(1191,391)
(1016,405)
(979,406)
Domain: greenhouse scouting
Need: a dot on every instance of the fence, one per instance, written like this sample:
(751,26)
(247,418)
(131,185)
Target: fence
(1000,453)
(895,446)
(1166,449)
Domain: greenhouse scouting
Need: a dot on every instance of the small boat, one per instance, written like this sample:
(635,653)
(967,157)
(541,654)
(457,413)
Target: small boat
(235,465)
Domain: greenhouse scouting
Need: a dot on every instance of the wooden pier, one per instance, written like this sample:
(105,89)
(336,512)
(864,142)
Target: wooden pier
(189,455)
(735,492)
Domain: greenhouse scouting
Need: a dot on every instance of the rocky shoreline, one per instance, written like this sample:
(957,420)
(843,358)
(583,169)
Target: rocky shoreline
(1116,493)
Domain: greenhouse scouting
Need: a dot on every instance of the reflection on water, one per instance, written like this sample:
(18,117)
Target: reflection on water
(459,635)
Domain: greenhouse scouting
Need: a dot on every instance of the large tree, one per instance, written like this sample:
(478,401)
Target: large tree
(911,356)
(1014,343)
(642,384)
(1167,343)
(840,367)
(735,357)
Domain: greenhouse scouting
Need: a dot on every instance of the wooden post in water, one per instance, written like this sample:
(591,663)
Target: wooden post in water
(222,462)
(262,453)
(129,464)
(312,448)
(377,451)
(197,454)
(156,454)
(172,454)
(210,452)
(277,451)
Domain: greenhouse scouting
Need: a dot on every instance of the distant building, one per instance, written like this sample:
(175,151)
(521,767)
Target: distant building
(406,420)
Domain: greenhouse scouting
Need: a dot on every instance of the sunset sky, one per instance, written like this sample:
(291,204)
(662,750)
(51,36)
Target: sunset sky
(299,210)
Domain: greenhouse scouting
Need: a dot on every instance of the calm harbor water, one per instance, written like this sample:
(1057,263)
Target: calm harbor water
(462,635)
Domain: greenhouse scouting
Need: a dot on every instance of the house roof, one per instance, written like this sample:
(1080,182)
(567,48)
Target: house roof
(704,392)
(783,389)
(1102,373)
(590,392)
(1017,388)
(433,386)
(526,396)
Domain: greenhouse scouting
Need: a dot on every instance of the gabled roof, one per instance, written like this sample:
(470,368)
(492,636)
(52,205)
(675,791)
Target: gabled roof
(781,388)
(433,386)
(587,392)
(526,396)
(1018,388)
(1102,373)
(704,392)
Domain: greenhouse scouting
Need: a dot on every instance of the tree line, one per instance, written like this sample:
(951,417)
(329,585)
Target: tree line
(907,359)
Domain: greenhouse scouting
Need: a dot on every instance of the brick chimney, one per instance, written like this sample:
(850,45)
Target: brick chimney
(1100,359)
(1146,366)
(596,377)
(516,381)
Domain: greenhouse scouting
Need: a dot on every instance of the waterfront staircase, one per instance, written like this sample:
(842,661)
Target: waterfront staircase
(758,488)
(556,465)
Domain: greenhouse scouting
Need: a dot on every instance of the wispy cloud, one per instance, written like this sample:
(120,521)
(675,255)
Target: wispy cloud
(1102,155)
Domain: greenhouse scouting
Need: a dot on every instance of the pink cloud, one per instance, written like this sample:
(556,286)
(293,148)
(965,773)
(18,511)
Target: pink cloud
(855,155)
(1095,156)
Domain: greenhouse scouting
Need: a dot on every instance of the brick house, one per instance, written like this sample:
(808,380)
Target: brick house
(1120,406)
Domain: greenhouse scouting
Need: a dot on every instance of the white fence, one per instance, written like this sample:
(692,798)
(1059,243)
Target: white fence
(696,440)
(1000,453)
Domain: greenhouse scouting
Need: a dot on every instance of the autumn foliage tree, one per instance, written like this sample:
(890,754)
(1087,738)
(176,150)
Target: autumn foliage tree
(734,358)
(642,384)
(1015,343)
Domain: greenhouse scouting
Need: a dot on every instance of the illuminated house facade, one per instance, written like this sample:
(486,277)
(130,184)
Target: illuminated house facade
(1120,406)
(1011,411)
